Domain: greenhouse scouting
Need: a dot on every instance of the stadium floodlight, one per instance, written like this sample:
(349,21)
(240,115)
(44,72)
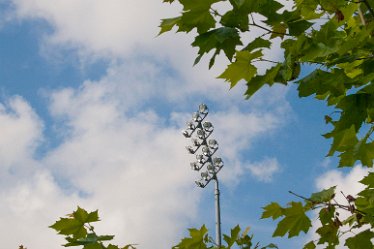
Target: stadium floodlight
(202,130)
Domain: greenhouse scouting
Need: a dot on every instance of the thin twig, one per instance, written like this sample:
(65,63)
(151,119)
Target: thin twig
(297,195)
(265,60)
(268,30)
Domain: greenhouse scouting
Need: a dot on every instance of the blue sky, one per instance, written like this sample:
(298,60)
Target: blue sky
(91,108)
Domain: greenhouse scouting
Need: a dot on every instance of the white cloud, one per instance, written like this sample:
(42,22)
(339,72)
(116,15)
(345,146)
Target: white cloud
(265,169)
(117,154)
(20,132)
(114,26)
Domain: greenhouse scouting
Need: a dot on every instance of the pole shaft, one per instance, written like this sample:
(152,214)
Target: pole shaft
(218,213)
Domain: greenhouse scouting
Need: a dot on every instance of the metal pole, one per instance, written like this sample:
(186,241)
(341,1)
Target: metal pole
(218,213)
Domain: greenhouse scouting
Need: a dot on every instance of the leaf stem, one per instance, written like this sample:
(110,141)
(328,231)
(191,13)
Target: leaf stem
(215,12)
(268,30)
(297,195)
(265,60)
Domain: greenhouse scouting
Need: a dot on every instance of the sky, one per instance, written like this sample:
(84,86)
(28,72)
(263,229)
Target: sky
(92,104)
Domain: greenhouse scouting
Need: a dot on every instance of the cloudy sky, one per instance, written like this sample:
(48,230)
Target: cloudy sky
(92,103)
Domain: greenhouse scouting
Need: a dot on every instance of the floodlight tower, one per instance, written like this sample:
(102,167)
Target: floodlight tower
(204,149)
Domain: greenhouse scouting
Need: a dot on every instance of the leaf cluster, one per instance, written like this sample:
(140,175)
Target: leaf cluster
(335,37)
(199,238)
(79,231)
(353,218)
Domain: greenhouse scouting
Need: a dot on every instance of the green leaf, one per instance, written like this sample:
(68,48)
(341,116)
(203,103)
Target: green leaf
(258,43)
(91,238)
(361,240)
(93,246)
(197,239)
(294,222)
(273,210)
(343,140)
(328,234)
(270,77)
(197,15)
(223,38)
(271,245)
(325,195)
(236,19)
(309,245)
(233,238)
(320,82)
(297,27)
(241,68)
(168,23)
(308,9)
(368,180)
(85,217)
(364,152)
(68,226)
(110,246)
(279,30)
(326,214)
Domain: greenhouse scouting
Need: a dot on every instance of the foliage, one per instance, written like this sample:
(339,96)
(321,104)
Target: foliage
(199,238)
(355,223)
(79,231)
(334,38)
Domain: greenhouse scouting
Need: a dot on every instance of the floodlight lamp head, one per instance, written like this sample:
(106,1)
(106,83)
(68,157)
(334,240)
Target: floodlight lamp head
(205,175)
(190,149)
(203,109)
(190,125)
(186,134)
(200,133)
(213,143)
(206,151)
(200,158)
(200,184)
(208,126)
(196,117)
(194,166)
(210,168)
(217,162)
(196,142)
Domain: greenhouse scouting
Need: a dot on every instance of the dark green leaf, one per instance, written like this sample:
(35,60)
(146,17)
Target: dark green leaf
(326,214)
(323,196)
(258,43)
(328,234)
(297,27)
(223,38)
(271,76)
(361,240)
(368,180)
(196,15)
(236,19)
(320,82)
